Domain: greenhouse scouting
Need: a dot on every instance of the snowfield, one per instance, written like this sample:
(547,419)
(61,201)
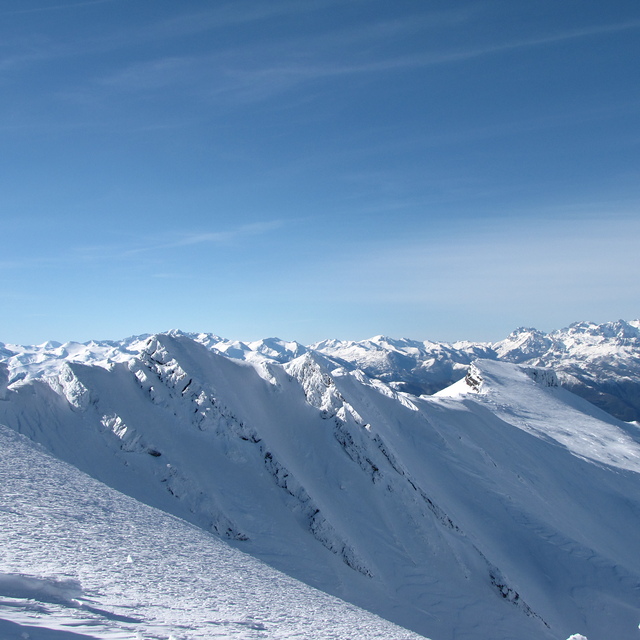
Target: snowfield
(511,392)
(503,507)
(80,561)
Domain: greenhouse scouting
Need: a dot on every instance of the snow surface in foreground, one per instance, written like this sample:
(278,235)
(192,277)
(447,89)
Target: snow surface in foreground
(79,560)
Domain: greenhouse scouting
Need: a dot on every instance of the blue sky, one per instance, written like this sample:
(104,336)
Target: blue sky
(317,168)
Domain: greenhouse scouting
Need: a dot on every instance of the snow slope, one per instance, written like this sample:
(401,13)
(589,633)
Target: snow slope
(503,508)
(79,560)
(532,399)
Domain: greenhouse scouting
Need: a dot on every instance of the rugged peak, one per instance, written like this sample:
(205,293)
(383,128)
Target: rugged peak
(621,330)
(311,368)
(526,330)
(484,376)
(158,347)
(523,344)
(330,343)
(359,489)
(317,376)
(277,349)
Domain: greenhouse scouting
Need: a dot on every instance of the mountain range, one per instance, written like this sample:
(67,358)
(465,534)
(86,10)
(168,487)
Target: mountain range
(463,490)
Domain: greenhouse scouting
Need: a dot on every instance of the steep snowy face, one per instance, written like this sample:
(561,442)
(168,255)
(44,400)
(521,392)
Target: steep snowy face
(317,377)
(504,507)
(82,561)
(531,399)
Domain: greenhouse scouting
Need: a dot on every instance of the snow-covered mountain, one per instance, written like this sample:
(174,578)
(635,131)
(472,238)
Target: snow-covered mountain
(503,507)
(407,365)
(600,362)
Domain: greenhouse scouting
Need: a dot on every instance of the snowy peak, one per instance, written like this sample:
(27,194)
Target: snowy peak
(318,377)
(278,350)
(406,365)
(485,376)
(600,362)
(523,344)
(620,331)
(265,350)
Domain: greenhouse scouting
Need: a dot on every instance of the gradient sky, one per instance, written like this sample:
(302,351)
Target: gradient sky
(317,168)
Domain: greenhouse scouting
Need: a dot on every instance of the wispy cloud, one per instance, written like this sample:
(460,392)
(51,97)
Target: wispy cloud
(239,233)
(57,7)
(175,240)
(301,71)
(133,249)
(150,75)
(224,15)
(182,25)
(260,70)
(257,72)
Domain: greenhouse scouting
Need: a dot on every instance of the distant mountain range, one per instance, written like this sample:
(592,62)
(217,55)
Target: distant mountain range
(503,506)
(599,362)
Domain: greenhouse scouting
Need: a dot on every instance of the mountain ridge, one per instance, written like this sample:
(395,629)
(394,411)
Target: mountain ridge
(600,362)
(482,511)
